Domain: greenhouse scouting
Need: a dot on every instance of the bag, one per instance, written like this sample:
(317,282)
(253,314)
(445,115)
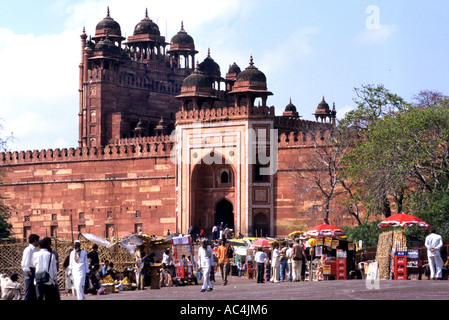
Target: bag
(230,252)
(43,277)
(297,252)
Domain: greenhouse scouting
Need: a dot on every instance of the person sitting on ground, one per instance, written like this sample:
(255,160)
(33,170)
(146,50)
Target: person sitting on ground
(111,272)
(12,289)
(165,277)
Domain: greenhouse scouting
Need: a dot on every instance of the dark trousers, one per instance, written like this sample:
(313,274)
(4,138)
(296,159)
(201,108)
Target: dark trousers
(260,272)
(47,292)
(224,271)
(30,288)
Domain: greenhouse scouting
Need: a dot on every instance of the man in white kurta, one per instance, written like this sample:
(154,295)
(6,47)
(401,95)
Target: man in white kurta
(433,244)
(275,264)
(80,268)
(205,260)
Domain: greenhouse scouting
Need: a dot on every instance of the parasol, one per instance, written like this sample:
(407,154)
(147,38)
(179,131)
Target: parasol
(324,230)
(402,220)
(295,234)
(261,243)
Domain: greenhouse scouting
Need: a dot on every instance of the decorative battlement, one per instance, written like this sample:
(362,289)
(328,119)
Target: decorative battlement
(296,124)
(144,147)
(298,139)
(213,114)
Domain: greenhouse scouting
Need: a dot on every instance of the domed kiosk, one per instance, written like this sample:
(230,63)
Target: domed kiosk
(146,44)
(250,84)
(182,47)
(196,90)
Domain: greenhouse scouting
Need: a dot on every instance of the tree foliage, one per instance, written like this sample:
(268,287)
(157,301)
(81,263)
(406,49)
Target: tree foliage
(399,160)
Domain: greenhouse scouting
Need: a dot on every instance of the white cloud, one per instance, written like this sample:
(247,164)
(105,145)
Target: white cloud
(341,112)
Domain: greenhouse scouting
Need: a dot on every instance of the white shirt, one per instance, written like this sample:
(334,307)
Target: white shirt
(260,257)
(276,258)
(41,259)
(289,254)
(205,257)
(433,241)
(166,259)
(27,257)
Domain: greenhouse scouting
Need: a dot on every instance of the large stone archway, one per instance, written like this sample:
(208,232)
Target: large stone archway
(212,196)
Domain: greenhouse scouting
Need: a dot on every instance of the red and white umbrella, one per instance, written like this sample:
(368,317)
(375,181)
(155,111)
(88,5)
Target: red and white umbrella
(402,220)
(261,243)
(324,230)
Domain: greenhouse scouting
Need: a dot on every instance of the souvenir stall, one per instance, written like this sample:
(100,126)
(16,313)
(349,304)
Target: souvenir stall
(239,261)
(265,244)
(330,255)
(184,260)
(405,262)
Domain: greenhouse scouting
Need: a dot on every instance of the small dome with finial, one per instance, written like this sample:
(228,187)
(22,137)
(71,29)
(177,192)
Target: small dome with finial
(252,74)
(197,79)
(209,66)
(147,26)
(108,24)
(290,106)
(182,39)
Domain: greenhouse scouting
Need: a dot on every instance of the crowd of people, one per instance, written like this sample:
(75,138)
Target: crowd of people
(83,273)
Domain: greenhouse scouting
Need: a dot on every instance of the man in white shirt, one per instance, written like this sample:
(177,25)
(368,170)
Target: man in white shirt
(28,267)
(275,263)
(44,261)
(205,260)
(260,258)
(433,244)
(290,262)
(80,268)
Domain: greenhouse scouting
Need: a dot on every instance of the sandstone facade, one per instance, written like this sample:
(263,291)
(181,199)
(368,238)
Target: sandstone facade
(164,145)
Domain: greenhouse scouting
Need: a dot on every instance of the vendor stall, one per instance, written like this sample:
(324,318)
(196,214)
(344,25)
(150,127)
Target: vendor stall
(330,255)
(405,260)
(184,260)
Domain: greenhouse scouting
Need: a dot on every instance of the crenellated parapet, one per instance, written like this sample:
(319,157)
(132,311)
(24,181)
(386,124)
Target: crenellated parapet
(302,139)
(224,113)
(140,140)
(287,124)
(150,147)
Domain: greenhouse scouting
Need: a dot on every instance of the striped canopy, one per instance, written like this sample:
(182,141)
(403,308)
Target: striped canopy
(324,230)
(402,220)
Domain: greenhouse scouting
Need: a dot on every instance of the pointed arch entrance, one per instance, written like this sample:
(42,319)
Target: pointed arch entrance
(212,195)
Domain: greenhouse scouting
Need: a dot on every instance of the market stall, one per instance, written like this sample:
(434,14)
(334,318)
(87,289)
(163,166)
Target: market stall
(330,255)
(406,263)
(266,245)
(184,260)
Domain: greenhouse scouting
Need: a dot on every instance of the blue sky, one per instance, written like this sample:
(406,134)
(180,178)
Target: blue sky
(307,49)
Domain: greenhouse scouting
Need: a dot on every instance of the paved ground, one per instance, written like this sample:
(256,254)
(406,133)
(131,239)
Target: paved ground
(243,298)
(244,289)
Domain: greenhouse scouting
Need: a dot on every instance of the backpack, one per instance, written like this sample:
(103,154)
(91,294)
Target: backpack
(297,252)
(230,252)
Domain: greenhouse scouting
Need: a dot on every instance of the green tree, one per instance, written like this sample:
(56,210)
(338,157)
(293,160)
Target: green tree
(367,232)
(365,162)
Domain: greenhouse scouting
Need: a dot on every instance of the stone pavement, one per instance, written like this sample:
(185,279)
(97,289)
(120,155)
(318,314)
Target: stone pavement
(245,299)
(240,288)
